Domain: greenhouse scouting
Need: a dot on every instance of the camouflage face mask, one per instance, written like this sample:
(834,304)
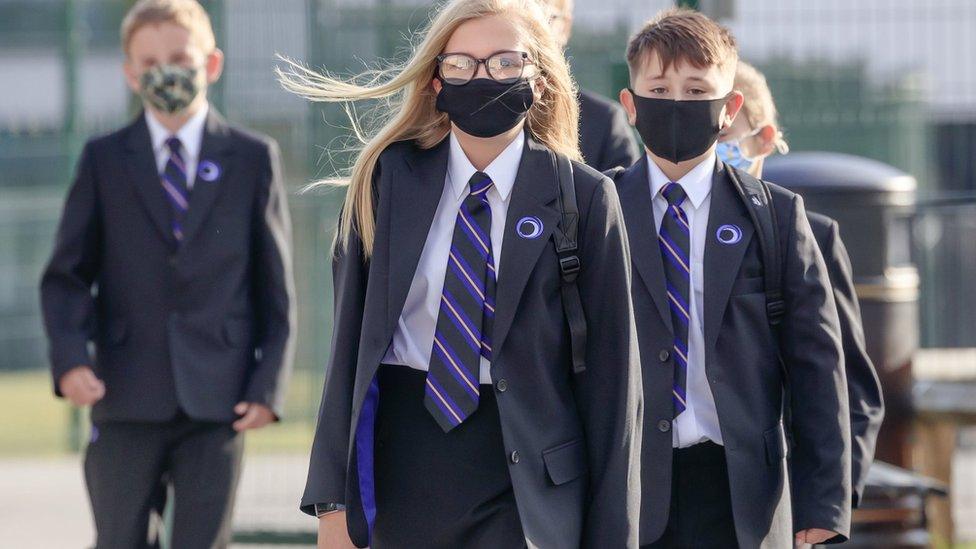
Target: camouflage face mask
(171,88)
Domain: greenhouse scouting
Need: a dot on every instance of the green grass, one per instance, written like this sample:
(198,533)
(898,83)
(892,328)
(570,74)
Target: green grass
(35,423)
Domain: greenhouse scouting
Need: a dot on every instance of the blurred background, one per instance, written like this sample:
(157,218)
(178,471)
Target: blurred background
(893,81)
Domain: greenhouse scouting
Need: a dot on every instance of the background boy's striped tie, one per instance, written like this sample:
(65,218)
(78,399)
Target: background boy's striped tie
(174,179)
(467,309)
(674,240)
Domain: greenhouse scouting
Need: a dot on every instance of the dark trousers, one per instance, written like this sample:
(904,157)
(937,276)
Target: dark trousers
(130,465)
(437,489)
(700,515)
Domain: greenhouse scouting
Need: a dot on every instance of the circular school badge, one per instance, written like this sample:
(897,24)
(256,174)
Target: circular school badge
(529,227)
(209,171)
(729,234)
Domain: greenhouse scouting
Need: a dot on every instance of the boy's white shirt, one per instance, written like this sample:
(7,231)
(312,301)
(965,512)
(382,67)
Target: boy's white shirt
(413,338)
(190,136)
(699,422)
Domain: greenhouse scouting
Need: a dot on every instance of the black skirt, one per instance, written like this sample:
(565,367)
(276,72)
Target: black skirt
(437,489)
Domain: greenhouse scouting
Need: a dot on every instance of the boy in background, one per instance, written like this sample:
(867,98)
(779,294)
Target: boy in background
(172,262)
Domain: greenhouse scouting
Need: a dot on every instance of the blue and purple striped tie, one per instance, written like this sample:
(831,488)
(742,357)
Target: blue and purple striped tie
(674,239)
(174,180)
(467,309)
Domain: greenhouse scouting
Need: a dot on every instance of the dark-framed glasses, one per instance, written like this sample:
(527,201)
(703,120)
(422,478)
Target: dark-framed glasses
(505,67)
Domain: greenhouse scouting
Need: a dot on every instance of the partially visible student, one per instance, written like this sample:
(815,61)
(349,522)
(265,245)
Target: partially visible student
(714,467)
(451,414)
(754,135)
(172,257)
(606,139)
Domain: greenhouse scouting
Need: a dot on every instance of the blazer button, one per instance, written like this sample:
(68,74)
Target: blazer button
(664,355)
(502,385)
(515,457)
(664,426)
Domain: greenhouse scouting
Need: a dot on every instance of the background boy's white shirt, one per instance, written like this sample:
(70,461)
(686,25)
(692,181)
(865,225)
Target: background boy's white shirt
(413,338)
(699,422)
(190,136)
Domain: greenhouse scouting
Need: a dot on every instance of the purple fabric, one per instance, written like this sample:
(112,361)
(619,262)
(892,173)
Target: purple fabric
(364,454)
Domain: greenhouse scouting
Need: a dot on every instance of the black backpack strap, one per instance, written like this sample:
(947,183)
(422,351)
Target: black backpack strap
(564,236)
(759,202)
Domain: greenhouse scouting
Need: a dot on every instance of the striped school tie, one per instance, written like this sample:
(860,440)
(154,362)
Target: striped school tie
(467,310)
(674,240)
(174,180)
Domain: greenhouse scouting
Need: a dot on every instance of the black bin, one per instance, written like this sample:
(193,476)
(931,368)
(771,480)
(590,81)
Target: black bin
(873,203)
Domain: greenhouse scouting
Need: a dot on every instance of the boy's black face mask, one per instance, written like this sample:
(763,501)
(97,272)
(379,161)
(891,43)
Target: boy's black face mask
(484,107)
(678,130)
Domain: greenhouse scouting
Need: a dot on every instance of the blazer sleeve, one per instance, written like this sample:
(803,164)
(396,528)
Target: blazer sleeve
(811,349)
(328,463)
(608,393)
(67,304)
(274,288)
(620,147)
(863,386)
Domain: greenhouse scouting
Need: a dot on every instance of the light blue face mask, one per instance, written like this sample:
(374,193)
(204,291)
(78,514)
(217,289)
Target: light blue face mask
(731,153)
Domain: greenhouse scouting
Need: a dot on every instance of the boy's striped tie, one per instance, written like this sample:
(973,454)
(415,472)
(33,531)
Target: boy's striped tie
(174,180)
(467,310)
(674,240)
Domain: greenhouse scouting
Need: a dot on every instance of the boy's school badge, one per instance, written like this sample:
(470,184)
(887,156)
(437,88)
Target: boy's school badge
(729,234)
(529,227)
(757,201)
(209,171)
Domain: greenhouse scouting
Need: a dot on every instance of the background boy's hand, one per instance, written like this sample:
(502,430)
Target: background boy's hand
(333,533)
(80,386)
(254,416)
(814,536)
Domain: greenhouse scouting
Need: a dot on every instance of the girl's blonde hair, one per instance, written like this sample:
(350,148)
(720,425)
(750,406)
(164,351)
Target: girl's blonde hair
(412,115)
(758,106)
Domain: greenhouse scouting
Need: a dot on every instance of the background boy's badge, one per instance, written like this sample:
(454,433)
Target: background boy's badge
(209,171)
(729,234)
(529,227)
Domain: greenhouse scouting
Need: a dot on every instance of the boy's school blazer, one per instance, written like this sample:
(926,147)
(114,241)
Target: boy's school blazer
(745,375)
(196,327)
(572,441)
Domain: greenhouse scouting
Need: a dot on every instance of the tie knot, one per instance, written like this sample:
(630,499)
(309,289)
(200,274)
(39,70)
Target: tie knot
(480,183)
(173,143)
(674,194)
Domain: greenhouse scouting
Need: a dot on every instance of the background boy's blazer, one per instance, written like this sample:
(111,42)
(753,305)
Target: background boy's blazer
(743,370)
(863,386)
(572,442)
(606,138)
(199,326)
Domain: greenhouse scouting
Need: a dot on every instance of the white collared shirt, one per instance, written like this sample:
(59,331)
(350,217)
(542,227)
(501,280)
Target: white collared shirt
(699,421)
(413,338)
(190,136)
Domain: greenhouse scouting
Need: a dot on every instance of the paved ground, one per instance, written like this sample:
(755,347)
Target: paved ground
(43,503)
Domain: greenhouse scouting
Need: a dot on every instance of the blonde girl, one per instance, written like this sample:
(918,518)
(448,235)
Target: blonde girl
(451,414)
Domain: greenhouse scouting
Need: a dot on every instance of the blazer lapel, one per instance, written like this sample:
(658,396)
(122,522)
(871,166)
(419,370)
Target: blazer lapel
(141,169)
(533,195)
(635,199)
(214,165)
(722,261)
(416,190)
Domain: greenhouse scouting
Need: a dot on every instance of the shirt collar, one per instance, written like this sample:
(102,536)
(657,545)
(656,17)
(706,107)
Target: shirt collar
(502,169)
(190,135)
(697,183)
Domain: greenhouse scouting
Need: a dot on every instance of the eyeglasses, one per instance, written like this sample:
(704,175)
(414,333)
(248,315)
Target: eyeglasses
(460,68)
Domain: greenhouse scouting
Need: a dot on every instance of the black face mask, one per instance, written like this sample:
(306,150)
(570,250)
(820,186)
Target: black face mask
(484,107)
(678,130)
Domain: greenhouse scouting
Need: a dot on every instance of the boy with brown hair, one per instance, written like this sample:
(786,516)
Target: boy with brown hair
(173,259)
(717,357)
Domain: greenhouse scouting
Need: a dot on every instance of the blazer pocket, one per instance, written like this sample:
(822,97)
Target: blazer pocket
(775,442)
(749,285)
(565,462)
(237,332)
